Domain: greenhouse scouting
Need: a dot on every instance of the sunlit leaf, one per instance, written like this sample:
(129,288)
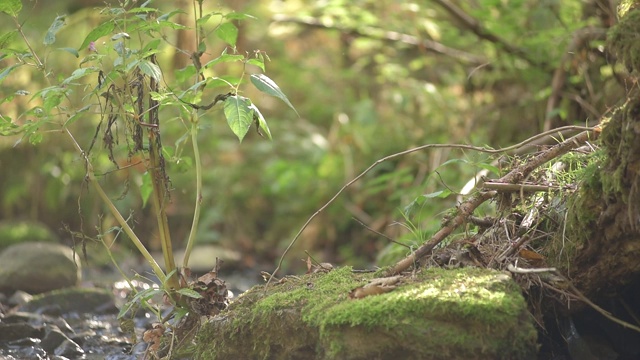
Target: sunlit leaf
(257,62)
(266,85)
(102,30)
(224,57)
(11,7)
(50,36)
(228,33)
(239,115)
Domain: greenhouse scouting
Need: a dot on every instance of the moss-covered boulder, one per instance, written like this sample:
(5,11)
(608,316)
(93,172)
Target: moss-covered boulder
(15,232)
(436,314)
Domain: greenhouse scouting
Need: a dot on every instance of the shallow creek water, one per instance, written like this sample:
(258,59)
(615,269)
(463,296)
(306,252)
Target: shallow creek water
(80,324)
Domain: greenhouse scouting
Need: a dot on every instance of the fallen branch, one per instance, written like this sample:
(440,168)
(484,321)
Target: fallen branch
(587,130)
(468,207)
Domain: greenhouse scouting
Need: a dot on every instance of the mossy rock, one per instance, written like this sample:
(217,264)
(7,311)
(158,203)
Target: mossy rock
(22,231)
(436,314)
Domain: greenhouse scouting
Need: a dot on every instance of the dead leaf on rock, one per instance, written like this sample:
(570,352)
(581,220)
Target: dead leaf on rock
(376,287)
(153,336)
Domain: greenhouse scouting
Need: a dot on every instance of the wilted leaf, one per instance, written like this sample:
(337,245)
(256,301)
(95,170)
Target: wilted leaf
(261,123)
(50,36)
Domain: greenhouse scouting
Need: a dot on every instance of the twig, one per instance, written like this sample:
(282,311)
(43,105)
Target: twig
(381,234)
(416,149)
(380,34)
(502,187)
(517,270)
(466,208)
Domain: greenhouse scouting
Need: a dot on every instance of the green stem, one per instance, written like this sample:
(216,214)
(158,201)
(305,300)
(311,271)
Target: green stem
(159,204)
(196,211)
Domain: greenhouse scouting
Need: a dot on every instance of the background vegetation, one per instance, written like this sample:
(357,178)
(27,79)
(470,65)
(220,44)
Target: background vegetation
(368,78)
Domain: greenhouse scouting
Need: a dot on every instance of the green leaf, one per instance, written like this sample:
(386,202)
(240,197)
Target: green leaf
(52,100)
(50,36)
(266,85)
(228,33)
(224,57)
(103,29)
(7,71)
(151,45)
(8,128)
(229,81)
(76,115)
(239,115)
(257,62)
(146,188)
(11,7)
(72,51)
(150,69)
(261,123)
(489,167)
(238,16)
(79,73)
(438,194)
(190,293)
(6,38)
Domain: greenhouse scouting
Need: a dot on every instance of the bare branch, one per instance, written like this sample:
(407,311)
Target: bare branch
(476,27)
(386,35)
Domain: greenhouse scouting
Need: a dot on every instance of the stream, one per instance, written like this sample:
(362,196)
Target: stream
(82,323)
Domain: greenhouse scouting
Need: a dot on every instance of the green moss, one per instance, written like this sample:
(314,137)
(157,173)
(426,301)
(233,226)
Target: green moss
(623,40)
(432,313)
(21,231)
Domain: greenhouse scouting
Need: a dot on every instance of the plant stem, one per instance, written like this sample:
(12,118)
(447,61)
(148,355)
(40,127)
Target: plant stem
(159,204)
(196,209)
(114,211)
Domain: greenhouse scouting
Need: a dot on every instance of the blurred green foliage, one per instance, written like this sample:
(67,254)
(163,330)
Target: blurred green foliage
(368,78)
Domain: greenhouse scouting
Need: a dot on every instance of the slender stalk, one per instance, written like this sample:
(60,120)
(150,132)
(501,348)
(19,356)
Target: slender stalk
(114,211)
(159,205)
(196,212)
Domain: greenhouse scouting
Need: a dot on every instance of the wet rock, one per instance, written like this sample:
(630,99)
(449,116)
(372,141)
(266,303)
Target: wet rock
(19,298)
(17,331)
(38,267)
(73,300)
(53,337)
(69,349)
